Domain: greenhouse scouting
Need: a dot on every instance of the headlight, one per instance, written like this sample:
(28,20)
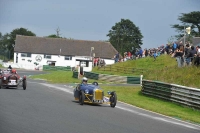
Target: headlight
(109,92)
(86,91)
(4,78)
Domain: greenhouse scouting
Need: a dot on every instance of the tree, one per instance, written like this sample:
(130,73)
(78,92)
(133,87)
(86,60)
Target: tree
(192,20)
(1,40)
(8,40)
(125,35)
(53,36)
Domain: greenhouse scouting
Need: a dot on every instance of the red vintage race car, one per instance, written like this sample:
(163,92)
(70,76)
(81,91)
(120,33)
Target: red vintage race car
(10,78)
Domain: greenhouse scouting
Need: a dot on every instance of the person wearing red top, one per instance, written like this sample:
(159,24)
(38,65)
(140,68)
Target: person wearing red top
(129,55)
(95,61)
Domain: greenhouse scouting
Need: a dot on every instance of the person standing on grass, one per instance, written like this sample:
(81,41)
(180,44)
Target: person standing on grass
(155,55)
(117,57)
(187,59)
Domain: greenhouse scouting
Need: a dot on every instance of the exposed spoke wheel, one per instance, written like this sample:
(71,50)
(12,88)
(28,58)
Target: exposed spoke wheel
(113,100)
(81,98)
(24,84)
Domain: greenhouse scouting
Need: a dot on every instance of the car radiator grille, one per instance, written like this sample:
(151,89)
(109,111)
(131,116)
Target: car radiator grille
(98,94)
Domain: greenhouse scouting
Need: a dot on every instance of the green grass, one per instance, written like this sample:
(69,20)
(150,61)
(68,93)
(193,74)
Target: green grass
(60,77)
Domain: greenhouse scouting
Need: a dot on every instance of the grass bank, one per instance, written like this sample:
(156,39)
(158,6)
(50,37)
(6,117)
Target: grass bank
(163,69)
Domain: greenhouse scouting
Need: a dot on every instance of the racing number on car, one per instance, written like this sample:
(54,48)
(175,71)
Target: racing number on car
(38,58)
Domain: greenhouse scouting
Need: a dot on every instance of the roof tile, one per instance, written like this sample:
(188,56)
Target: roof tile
(42,45)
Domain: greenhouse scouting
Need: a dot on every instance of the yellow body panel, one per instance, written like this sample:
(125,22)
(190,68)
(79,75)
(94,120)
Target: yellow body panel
(98,95)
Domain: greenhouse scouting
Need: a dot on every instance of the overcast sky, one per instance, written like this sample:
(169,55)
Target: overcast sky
(92,19)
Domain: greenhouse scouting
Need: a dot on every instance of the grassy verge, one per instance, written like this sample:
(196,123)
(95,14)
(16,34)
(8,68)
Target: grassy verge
(60,77)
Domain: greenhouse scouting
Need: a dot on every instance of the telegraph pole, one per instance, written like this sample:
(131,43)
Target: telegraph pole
(57,31)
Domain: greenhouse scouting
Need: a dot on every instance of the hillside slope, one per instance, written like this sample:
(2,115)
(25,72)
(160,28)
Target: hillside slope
(163,69)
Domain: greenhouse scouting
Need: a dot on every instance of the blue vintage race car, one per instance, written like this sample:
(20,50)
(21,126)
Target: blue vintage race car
(92,93)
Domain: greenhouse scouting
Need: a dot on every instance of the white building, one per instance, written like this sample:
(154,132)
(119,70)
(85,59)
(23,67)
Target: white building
(30,51)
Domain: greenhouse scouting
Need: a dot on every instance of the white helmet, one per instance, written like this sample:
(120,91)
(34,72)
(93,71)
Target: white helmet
(84,79)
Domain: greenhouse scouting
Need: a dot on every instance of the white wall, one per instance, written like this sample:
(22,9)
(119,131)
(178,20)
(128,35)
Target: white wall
(109,61)
(60,61)
(88,69)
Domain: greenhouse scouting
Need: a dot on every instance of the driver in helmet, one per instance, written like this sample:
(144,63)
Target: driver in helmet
(84,81)
(9,68)
(13,71)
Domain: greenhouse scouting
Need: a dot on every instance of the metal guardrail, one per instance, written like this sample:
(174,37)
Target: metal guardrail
(180,94)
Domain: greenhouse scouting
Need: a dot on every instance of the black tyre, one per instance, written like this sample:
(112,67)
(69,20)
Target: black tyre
(24,84)
(95,83)
(81,98)
(113,99)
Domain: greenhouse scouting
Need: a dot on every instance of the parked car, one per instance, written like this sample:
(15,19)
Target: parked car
(10,78)
(92,93)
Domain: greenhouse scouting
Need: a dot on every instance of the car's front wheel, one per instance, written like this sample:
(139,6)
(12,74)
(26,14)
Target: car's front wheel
(24,83)
(81,98)
(113,99)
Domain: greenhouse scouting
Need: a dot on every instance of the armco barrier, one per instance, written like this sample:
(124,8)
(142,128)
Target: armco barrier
(56,68)
(172,92)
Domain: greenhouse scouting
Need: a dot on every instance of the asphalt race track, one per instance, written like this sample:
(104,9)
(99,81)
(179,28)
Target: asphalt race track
(50,108)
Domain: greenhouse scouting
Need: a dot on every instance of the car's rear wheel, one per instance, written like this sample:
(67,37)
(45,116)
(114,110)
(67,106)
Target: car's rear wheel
(24,84)
(113,100)
(81,98)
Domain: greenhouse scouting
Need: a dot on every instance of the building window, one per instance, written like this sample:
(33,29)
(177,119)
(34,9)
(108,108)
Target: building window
(68,57)
(25,54)
(47,56)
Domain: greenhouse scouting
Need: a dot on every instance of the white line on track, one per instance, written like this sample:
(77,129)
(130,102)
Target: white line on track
(173,121)
(59,88)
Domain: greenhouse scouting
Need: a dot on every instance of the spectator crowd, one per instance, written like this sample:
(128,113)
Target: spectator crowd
(186,55)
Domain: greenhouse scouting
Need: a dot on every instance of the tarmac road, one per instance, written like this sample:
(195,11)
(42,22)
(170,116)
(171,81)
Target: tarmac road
(50,108)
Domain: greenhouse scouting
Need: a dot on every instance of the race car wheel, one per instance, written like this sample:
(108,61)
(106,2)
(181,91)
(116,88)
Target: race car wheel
(113,100)
(24,84)
(81,98)
(95,83)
